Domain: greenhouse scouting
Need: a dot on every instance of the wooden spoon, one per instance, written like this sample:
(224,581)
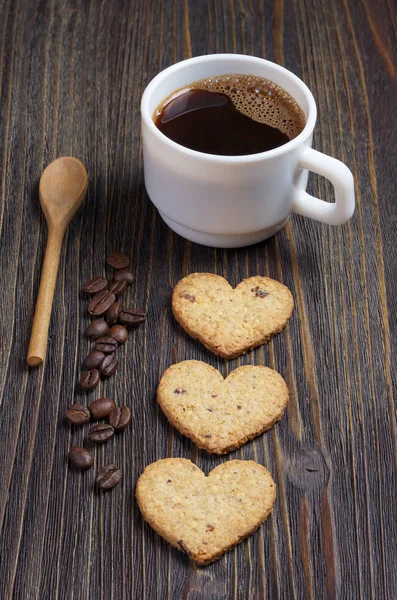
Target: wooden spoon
(62,188)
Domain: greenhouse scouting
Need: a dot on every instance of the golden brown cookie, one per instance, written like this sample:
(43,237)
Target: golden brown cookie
(231,321)
(219,414)
(205,516)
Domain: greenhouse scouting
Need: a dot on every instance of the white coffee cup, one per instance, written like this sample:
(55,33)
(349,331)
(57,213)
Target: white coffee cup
(231,201)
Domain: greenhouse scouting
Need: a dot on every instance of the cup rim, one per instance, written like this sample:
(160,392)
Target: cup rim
(222,158)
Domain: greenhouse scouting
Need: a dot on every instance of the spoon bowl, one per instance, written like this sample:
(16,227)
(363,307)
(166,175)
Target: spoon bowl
(62,188)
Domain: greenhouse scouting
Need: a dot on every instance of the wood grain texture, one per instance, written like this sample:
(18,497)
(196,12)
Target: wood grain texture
(70,84)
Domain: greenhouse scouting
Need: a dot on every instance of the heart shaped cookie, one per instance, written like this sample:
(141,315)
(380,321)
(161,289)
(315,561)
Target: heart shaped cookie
(219,414)
(205,516)
(231,321)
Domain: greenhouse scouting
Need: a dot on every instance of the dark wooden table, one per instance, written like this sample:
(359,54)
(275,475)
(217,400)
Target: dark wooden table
(72,74)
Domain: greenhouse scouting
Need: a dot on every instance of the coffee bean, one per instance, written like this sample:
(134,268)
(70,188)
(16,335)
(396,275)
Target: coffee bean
(109,365)
(93,360)
(106,345)
(124,275)
(118,288)
(132,317)
(90,379)
(100,433)
(78,414)
(80,458)
(113,312)
(101,407)
(108,477)
(96,329)
(95,285)
(101,302)
(120,417)
(118,260)
(119,333)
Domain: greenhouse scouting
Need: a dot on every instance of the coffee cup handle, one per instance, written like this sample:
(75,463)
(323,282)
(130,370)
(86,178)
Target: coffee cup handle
(332,213)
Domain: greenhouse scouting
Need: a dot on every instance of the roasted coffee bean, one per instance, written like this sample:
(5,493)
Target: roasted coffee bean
(119,333)
(78,414)
(101,407)
(96,329)
(113,312)
(118,260)
(95,285)
(132,317)
(101,302)
(101,433)
(93,360)
(80,458)
(124,275)
(118,288)
(120,417)
(108,477)
(106,345)
(90,379)
(109,365)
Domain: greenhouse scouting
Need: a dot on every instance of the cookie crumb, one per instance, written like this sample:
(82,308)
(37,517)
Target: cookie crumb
(210,527)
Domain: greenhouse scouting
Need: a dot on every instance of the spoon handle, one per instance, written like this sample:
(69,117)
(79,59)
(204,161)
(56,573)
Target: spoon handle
(42,315)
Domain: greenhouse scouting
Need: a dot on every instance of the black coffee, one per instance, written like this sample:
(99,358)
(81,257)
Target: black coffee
(230,115)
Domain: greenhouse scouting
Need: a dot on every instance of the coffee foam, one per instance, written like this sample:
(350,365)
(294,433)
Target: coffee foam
(257,98)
